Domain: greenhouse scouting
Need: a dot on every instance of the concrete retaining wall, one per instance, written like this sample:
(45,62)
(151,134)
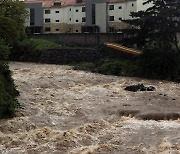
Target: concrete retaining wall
(86,39)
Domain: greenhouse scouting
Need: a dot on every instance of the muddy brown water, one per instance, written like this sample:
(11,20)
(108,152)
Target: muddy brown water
(66,111)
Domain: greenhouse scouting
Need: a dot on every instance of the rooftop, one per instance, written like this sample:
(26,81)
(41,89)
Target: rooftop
(49,3)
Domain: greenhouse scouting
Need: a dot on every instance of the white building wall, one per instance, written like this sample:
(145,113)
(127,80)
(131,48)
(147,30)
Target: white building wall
(53,16)
(77,16)
(127,8)
(27,21)
(66,15)
(140,5)
(122,10)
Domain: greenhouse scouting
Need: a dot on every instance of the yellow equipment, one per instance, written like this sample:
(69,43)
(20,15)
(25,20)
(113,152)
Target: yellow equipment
(123,49)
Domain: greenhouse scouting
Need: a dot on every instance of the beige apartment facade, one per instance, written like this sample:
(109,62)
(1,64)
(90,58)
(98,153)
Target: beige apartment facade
(73,16)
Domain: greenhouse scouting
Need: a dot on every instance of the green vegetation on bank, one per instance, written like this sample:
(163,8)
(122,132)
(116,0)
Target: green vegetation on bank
(8,93)
(12,17)
(153,63)
(156,36)
(159,65)
(36,45)
(110,66)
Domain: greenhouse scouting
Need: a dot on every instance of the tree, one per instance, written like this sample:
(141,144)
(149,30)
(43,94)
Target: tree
(8,92)
(12,19)
(158,25)
(8,30)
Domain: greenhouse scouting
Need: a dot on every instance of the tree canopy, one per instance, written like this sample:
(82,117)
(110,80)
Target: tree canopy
(12,18)
(158,25)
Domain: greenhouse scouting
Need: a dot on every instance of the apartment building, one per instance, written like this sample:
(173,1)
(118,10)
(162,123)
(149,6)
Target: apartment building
(64,17)
(77,16)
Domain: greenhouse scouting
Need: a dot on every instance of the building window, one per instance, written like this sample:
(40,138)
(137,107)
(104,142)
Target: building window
(77,20)
(57,30)
(57,3)
(78,1)
(120,7)
(120,19)
(111,29)
(111,18)
(83,9)
(32,20)
(111,7)
(47,20)
(83,19)
(132,4)
(47,29)
(69,19)
(57,20)
(70,9)
(56,11)
(77,10)
(47,11)
(77,31)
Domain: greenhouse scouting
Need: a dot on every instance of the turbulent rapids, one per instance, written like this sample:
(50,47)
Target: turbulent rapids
(65,111)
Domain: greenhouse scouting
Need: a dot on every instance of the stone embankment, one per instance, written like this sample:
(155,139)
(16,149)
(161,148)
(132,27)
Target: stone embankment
(68,55)
(57,56)
(65,111)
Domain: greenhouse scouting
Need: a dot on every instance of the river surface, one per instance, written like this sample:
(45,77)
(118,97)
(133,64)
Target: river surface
(65,111)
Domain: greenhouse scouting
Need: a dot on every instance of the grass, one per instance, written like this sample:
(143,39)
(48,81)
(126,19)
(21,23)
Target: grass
(42,44)
(38,44)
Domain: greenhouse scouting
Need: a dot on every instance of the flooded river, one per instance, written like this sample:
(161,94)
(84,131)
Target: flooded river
(65,111)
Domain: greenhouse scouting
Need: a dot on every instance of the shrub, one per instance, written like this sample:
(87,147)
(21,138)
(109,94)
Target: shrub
(8,93)
(110,67)
(159,64)
(117,67)
(31,49)
(88,66)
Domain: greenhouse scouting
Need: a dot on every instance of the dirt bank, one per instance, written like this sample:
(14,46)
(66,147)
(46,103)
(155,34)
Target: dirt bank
(75,112)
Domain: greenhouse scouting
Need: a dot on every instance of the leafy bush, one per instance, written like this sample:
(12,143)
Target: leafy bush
(8,93)
(110,67)
(4,51)
(31,49)
(88,66)
(117,67)
(158,64)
